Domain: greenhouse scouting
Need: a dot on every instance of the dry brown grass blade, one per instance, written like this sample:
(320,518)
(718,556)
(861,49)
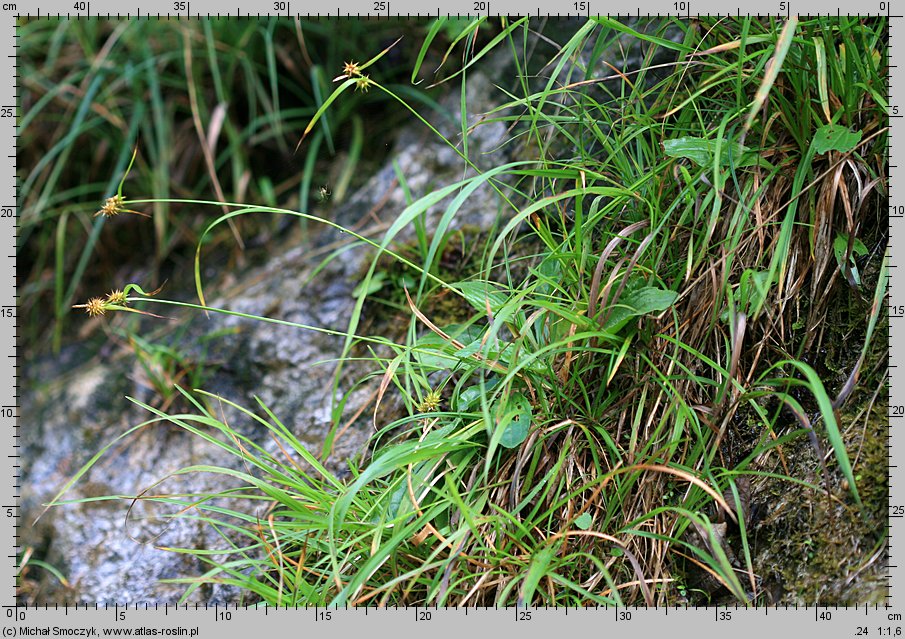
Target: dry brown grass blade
(815,443)
(657,468)
(524,455)
(450,562)
(421,316)
(700,564)
(771,71)
(384,384)
(99,61)
(604,295)
(279,552)
(611,304)
(563,372)
(620,74)
(720,48)
(852,379)
(202,137)
(215,127)
(817,180)
(300,37)
(738,339)
(598,271)
(822,231)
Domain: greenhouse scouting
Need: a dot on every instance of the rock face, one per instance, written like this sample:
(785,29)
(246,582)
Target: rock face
(109,554)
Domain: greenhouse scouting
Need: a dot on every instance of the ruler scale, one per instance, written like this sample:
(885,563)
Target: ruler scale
(896,379)
(9,216)
(865,620)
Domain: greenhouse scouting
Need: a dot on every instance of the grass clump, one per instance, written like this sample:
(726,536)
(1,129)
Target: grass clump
(641,351)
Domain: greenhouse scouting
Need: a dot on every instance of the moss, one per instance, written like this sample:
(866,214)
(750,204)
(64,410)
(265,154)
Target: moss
(809,546)
(459,260)
(813,548)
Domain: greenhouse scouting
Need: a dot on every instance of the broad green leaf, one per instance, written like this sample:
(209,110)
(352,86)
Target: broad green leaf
(840,248)
(753,289)
(493,350)
(434,353)
(701,151)
(584,521)
(518,414)
(470,350)
(400,504)
(549,274)
(469,396)
(834,137)
(479,293)
(641,301)
(370,286)
(751,292)
(511,313)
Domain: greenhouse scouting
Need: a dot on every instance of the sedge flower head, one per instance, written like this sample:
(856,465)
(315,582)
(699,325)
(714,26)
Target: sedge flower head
(96,306)
(430,403)
(363,83)
(117,297)
(351,69)
(112,206)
